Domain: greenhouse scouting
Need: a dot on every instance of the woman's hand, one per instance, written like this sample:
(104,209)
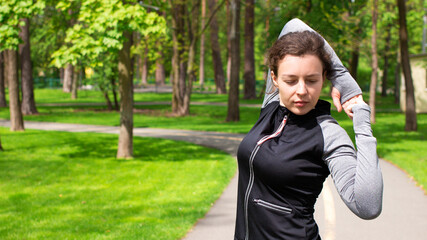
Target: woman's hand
(348,105)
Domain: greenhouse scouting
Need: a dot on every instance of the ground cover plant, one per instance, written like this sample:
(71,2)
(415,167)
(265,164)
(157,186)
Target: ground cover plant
(58,185)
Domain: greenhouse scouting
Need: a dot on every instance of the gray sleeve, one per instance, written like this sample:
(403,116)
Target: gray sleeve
(339,76)
(357,175)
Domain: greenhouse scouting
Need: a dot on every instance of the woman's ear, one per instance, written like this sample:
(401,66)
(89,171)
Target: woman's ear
(274,79)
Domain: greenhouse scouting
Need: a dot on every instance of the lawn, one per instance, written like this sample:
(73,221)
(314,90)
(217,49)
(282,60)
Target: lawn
(57,185)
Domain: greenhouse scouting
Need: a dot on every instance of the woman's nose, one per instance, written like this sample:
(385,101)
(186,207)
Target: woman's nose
(301,88)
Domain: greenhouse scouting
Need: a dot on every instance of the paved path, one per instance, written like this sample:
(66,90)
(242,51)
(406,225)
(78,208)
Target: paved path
(404,213)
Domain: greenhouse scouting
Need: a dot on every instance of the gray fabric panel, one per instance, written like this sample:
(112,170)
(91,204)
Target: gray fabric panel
(357,175)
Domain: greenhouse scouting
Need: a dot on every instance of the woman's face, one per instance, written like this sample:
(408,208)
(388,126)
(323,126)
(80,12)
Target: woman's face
(299,80)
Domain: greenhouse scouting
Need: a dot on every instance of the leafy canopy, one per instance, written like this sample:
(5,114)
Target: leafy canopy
(99,29)
(11,14)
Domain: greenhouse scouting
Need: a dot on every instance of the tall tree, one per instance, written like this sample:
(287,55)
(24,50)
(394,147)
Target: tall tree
(249,73)
(216,51)
(228,17)
(28,102)
(202,47)
(160,70)
(75,83)
(125,149)
(374,75)
(185,35)
(68,78)
(16,120)
(11,13)
(233,113)
(106,30)
(144,66)
(386,62)
(2,83)
(410,111)
(397,79)
(69,69)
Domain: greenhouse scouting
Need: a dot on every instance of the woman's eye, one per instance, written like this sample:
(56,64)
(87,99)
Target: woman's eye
(290,81)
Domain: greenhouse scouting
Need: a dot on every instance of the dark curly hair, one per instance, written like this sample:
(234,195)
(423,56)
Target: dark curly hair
(299,44)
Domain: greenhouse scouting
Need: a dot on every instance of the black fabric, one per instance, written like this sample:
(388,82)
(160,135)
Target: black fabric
(288,172)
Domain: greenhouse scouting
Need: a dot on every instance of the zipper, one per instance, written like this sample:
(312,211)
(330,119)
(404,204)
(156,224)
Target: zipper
(251,170)
(272,206)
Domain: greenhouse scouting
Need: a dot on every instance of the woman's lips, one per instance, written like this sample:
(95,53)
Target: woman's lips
(300,103)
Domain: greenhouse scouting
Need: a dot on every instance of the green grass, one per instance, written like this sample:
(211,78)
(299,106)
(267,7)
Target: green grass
(207,118)
(57,185)
(44,96)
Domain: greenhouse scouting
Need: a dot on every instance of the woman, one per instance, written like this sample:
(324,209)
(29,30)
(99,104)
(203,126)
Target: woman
(296,144)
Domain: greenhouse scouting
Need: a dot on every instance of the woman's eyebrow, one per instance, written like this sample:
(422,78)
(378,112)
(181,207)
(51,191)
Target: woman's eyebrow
(293,75)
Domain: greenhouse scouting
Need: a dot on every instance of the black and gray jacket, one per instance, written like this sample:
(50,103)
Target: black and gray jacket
(285,158)
(283,162)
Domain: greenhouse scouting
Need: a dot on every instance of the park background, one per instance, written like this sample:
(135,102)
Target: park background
(195,65)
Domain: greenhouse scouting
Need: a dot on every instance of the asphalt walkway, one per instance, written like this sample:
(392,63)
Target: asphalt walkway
(404,213)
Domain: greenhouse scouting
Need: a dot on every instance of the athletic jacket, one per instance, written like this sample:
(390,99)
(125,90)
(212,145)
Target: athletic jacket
(283,162)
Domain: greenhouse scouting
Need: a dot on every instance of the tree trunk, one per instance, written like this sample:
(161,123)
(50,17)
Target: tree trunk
(228,13)
(249,74)
(183,63)
(374,75)
(144,67)
(75,84)
(28,103)
(233,94)
(68,78)
(160,70)
(410,113)
(113,89)
(397,80)
(386,65)
(267,34)
(125,148)
(1,147)
(61,75)
(2,83)
(107,98)
(16,120)
(354,61)
(202,47)
(216,52)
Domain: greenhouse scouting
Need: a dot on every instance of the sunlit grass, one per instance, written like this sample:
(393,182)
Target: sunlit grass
(56,185)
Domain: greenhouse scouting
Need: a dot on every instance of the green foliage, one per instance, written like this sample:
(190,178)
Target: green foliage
(58,185)
(11,13)
(99,29)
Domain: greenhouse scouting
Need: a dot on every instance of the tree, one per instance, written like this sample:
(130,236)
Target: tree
(233,113)
(28,103)
(11,14)
(249,73)
(69,69)
(16,120)
(216,52)
(410,112)
(374,75)
(125,149)
(202,47)
(102,30)
(2,83)
(185,35)
(1,147)
(386,62)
